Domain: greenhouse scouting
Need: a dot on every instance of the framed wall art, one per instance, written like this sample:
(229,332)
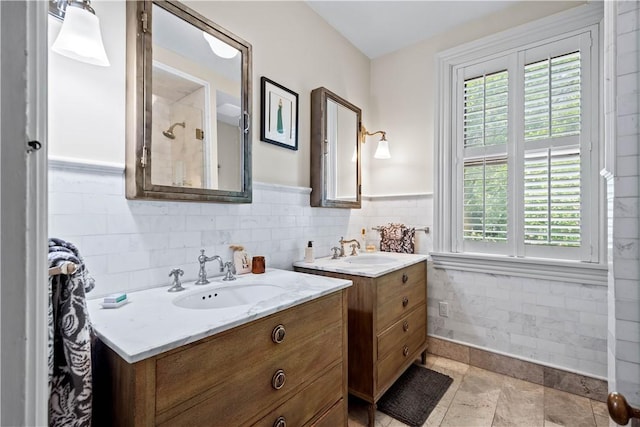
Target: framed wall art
(279,115)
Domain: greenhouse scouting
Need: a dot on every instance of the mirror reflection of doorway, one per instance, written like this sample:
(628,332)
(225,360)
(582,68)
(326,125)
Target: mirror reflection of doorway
(179,140)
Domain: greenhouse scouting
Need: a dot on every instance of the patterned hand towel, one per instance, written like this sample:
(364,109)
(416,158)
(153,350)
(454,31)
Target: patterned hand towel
(70,379)
(397,238)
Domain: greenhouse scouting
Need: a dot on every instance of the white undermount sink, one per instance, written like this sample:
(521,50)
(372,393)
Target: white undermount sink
(229,296)
(370,260)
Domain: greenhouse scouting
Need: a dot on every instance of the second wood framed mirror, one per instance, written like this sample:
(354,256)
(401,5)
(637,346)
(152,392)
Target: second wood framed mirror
(335,151)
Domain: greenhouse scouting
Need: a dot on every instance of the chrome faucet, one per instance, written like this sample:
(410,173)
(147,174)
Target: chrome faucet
(354,244)
(335,250)
(231,270)
(202,273)
(176,286)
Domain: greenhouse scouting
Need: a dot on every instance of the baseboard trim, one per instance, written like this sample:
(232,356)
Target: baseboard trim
(558,379)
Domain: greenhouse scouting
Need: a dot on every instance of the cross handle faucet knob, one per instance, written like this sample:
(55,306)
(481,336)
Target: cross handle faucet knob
(176,273)
(176,286)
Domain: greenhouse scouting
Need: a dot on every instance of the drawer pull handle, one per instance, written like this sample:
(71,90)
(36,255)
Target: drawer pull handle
(405,351)
(405,326)
(278,380)
(280,422)
(405,301)
(405,278)
(277,336)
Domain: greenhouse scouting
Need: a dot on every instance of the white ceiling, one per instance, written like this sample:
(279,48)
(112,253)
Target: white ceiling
(380,27)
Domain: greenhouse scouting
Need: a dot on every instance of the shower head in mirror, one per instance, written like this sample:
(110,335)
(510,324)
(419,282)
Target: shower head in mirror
(169,132)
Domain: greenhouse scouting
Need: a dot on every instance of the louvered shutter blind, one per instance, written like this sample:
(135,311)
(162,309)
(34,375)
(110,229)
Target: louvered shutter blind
(485,110)
(485,200)
(552,97)
(552,197)
(485,179)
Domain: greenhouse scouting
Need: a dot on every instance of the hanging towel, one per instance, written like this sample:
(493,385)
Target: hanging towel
(397,238)
(70,380)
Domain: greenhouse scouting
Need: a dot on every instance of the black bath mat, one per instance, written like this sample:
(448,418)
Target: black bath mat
(412,398)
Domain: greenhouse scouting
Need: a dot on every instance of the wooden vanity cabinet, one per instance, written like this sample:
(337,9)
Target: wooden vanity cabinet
(286,369)
(387,328)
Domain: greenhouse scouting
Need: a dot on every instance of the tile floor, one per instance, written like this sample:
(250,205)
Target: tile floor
(483,398)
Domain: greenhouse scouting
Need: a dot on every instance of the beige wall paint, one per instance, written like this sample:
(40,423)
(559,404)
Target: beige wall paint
(292,46)
(296,48)
(403,85)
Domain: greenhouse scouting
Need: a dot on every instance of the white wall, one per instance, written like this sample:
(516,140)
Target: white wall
(87,102)
(403,87)
(292,45)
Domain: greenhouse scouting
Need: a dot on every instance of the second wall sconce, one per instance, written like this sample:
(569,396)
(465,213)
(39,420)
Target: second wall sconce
(382,152)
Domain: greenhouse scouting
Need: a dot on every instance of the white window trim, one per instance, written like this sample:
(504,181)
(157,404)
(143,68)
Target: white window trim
(571,21)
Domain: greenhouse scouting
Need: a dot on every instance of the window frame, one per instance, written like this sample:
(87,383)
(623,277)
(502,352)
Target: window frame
(509,47)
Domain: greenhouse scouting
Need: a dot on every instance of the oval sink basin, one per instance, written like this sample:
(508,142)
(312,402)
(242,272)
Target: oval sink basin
(370,260)
(230,296)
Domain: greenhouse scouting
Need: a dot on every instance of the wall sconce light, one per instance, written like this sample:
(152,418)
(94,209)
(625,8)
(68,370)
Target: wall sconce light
(80,37)
(382,152)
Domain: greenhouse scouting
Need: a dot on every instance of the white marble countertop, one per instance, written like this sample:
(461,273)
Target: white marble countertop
(150,324)
(368,264)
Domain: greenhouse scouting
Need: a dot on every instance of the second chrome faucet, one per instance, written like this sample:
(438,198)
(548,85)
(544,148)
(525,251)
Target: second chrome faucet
(354,244)
(202,272)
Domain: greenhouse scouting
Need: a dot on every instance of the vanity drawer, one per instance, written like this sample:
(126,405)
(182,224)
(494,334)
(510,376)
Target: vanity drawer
(185,374)
(399,304)
(399,281)
(254,387)
(319,396)
(404,353)
(414,322)
(334,417)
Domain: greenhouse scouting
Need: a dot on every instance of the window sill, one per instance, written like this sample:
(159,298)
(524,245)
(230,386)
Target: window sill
(537,268)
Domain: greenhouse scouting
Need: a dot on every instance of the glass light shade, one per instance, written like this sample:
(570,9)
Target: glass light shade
(80,38)
(382,152)
(219,47)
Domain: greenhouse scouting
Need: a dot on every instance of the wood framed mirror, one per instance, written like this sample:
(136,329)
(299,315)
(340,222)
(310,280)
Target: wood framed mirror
(335,151)
(188,107)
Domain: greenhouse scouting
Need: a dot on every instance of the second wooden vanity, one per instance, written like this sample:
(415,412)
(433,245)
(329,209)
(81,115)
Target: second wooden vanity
(387,325)
(286,369)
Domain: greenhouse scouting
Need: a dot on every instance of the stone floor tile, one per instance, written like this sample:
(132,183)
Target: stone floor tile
(600,413)
(447,366)
(478,397)
(474,404)
(521,403)
(431,359)
(437,415)
(567,409)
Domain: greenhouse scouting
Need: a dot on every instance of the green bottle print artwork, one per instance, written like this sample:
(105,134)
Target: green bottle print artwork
(279,126)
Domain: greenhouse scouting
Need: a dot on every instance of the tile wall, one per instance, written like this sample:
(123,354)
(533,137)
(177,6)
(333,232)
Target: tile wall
(554,323)
(626,202)
(131,245)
